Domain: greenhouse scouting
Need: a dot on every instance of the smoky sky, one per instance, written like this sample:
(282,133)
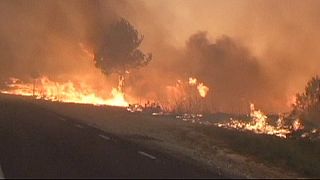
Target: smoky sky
(244,51)
(228,68)
(43,36)
(257,51)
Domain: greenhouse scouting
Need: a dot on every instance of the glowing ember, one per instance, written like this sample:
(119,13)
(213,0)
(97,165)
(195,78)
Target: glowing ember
(64,92)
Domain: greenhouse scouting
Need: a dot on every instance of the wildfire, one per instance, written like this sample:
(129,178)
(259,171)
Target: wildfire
(202,89)
(297,125)
(118,95)
(192,81)
(259,124)
(46,89)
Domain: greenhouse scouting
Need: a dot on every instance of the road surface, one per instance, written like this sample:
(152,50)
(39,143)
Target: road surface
(37,143)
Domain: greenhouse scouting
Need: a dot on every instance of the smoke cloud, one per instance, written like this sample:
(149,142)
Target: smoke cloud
(46,38)
(244,51)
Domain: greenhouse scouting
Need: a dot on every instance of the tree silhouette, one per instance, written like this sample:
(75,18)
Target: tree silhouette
(307,106)
(119,53)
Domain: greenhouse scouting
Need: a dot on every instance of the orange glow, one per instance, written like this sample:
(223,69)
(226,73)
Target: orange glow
(192,81)
(118,98)
(203,90)
(86,51)
(291,101)
(63,92)
(259,125)
(297,125)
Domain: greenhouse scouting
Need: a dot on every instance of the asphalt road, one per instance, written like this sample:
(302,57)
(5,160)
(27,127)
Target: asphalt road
(36,143)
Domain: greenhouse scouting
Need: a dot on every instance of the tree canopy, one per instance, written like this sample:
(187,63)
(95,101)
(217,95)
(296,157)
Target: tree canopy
(307,106)
(120,52)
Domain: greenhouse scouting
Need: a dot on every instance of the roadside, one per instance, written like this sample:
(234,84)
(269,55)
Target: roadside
(37,143)
(180,139)
(186,141)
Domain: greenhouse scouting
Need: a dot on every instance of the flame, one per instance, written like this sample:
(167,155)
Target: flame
(180,88)
(203,90)
(259,124)
(184,94)
(64,92)
(118,98)
(297,125)
(192,81)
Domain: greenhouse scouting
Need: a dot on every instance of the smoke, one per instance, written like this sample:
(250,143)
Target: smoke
(244,51)
(262,51)
(46,38)
(229,69)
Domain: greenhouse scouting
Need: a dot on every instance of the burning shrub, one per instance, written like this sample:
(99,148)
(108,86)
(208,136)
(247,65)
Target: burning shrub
(188,96)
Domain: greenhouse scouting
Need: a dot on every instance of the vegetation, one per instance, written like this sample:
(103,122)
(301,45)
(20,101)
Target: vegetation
(307,106)
(120,52)
(300,155)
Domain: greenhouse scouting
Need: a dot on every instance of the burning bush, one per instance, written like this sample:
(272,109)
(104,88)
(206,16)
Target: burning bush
(188,96)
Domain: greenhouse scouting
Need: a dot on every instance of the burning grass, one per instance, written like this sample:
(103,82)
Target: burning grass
(44,88)
(256,136)
(257,122)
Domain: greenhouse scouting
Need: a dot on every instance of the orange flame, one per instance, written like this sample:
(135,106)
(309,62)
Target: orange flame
(118,98)
(259,124)
(203,90)
(64,92)
(192,81)
(297,125)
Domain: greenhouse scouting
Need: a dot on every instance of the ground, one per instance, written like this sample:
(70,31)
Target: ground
(198,144)
(181,139)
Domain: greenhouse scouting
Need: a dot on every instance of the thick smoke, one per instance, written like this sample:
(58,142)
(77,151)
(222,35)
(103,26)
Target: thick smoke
(46,38)
(279,40)
(248,51)
(231,72)
(233,75)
